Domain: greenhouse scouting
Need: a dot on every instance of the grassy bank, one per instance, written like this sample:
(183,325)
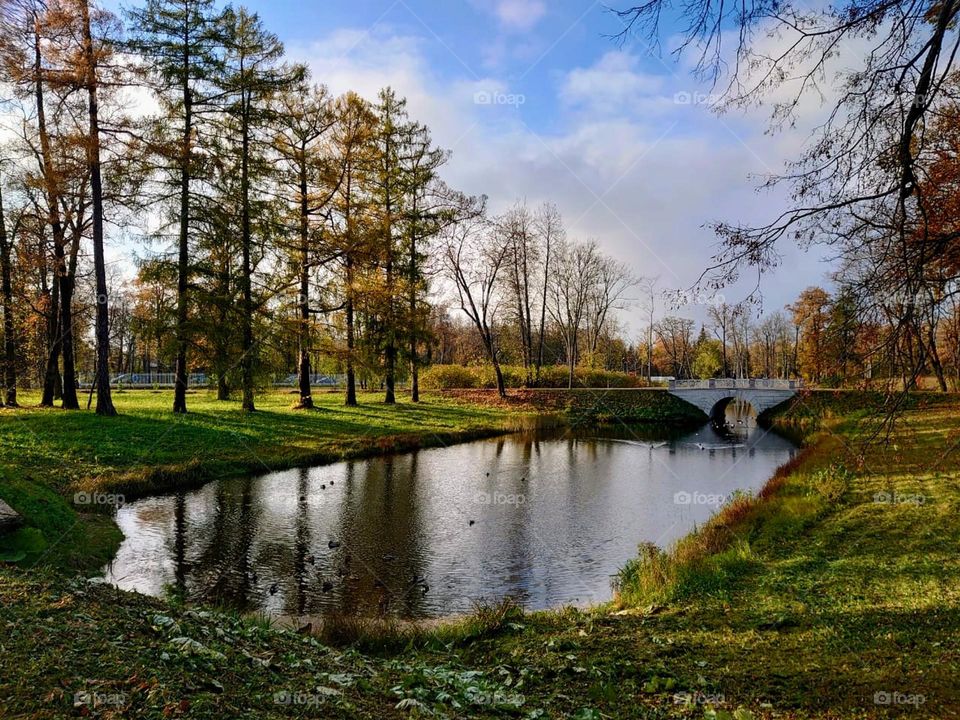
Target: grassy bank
(829,595)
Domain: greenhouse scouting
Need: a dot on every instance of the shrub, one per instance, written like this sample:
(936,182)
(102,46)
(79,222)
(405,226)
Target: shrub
(455,377)
(449,377)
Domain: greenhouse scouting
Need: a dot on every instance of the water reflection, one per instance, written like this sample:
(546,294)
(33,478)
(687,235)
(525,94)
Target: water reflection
(544,517)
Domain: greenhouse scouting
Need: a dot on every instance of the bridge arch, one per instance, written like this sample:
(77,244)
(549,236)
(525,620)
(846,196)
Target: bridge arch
(713,396)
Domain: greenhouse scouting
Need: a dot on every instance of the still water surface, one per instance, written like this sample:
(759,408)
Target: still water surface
(546,518)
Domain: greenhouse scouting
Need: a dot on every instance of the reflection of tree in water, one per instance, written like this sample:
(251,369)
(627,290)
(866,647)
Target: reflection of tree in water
(223,571)
(518,543)
(180,544)
(281,553)
(234,540)
(209,523)
(382,555)
(301,542)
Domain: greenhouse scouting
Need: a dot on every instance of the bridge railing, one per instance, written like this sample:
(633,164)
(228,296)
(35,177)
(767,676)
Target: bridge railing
(736,384)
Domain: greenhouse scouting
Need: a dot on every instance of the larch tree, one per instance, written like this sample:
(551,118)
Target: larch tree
(6,298)
(253,74)
(427,211)
(352,145)
(388,181)
(309,180)
(93,54)
(810,313)
(181,43)
(32,33)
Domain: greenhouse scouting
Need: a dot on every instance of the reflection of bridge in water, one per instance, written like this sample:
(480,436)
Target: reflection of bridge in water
(713,396)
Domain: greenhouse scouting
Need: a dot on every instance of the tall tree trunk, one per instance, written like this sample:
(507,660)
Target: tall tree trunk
(390,351)
(303,300)
(69,390)
(488,341)
(726,367)
(501,386)
(104,399)
(934,353)
(543,311)
(52,385)
(9,341)
(528,360)
(412,300)
(183,260)
(351,339)
(246,361)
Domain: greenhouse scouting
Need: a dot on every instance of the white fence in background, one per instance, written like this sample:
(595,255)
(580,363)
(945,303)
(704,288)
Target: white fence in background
(194,380)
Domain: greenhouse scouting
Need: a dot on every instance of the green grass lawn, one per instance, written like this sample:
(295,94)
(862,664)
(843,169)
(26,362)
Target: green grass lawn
(834,592)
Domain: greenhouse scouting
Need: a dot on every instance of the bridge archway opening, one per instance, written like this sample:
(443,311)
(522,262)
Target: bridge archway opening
(733,414)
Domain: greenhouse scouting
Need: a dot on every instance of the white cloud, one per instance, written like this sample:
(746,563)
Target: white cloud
(520,14)
(613,85)
(626,164)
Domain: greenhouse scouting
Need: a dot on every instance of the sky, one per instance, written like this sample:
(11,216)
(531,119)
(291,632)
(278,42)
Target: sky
(538,102)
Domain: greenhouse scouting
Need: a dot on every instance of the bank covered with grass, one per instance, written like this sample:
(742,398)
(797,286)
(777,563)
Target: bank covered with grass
(833,593)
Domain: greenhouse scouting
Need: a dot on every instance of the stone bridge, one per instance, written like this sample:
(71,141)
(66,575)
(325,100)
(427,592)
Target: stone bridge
(712,396)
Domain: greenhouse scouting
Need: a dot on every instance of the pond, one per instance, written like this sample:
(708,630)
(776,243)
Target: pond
(544,517)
